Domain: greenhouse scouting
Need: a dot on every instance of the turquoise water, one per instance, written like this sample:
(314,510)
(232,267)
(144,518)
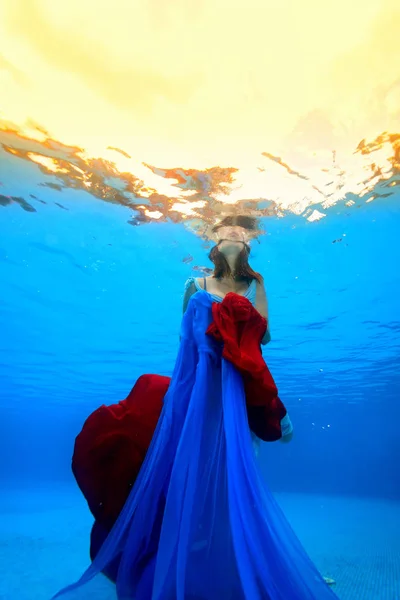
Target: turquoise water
(91,296)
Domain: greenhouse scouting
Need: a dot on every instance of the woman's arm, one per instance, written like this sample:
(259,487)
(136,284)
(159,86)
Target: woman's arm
(262,307)
(189,291)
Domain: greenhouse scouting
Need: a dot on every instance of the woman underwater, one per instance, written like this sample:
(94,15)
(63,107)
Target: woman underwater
(199,522)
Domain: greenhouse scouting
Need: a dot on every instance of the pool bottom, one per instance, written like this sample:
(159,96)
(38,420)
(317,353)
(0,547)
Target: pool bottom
(44,536)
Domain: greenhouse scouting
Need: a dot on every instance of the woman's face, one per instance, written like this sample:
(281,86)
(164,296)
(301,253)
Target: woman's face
(231,239)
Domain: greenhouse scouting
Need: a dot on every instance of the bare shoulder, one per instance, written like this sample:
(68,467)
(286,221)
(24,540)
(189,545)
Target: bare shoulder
(260,287)
(190,286)
(200,282)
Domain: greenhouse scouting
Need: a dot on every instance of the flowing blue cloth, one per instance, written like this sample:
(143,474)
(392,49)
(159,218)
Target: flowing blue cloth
(200,522)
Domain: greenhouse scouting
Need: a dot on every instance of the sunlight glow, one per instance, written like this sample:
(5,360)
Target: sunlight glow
(143,101)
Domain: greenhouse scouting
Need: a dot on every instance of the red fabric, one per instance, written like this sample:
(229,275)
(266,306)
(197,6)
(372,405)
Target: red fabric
(112,445)
(240,327)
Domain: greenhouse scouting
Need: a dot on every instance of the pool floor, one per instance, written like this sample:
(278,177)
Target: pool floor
(44,542)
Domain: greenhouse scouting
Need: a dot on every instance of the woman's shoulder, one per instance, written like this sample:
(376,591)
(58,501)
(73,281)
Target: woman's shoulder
(259,283)
(195,283)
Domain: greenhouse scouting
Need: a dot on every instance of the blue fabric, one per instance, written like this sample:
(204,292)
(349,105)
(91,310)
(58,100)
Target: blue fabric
(200,523)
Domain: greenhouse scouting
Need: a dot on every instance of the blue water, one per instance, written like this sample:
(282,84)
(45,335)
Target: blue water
(89,302)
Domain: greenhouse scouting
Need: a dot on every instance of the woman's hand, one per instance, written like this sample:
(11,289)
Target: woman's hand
(285,439)
(266,339)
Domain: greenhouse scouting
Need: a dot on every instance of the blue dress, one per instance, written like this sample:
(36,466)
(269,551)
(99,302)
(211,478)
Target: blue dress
(200,522)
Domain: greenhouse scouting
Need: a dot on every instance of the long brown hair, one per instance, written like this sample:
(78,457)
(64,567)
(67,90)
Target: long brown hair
(243,270)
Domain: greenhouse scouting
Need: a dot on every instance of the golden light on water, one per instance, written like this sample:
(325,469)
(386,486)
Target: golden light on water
(189,110)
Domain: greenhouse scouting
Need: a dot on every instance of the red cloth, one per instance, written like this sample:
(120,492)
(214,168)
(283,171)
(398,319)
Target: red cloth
(112,445)
(110,449)
(240,327)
